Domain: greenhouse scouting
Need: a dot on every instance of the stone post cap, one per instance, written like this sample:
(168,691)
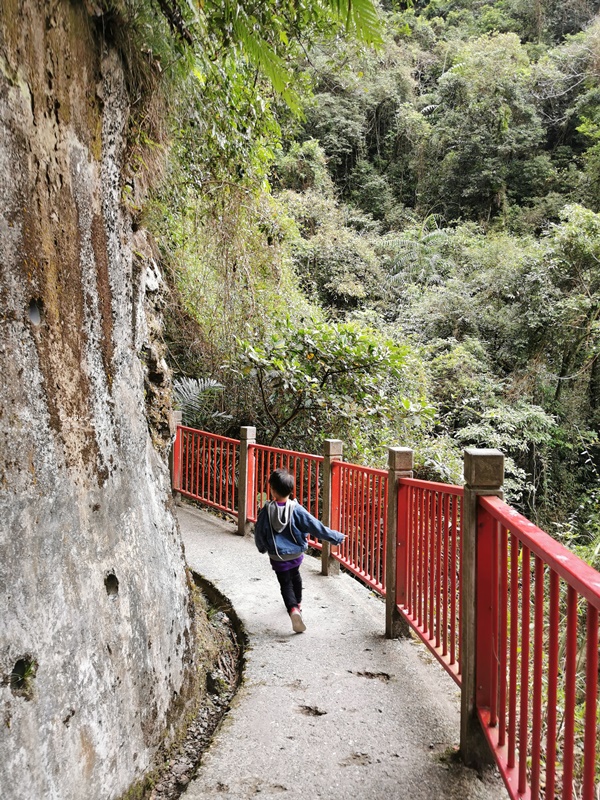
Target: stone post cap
(178,417)
(483,468)
(333,447)
(248,433)
(400,459)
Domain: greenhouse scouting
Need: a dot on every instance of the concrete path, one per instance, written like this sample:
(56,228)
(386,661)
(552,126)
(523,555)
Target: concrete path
(335,712)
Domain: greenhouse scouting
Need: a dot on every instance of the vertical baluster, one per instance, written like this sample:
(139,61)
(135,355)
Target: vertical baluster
(264,492)
(514,643)
(410,547)
(203,460)
(419,577)
(438,567)
(524,689)
(220,474)
(551,711)
(378,532)
(364,479)
(346,494)
(570,695)
(427,589)
(383,527)
(458,550)
(417,554)
(197,441)
(591,700)
(228,478)
(367,557)
(370,554)
(357,511)
(538,648)
(314,487)
(352,511)
(445,598)
(214,469)
(503,635)
(453,566)
(186,480)
(495,627)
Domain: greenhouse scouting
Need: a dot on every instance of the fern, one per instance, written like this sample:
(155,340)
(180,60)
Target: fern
(195,398)
(262,55)
(359,16)
(245,26)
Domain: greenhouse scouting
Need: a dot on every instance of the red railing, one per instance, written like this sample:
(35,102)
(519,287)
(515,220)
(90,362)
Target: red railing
(537,657)
(537,604)
(359,510)
(206,468)
(428,566)
(305,468)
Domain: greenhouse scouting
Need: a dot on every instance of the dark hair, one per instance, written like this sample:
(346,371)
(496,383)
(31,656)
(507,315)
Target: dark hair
(282,482)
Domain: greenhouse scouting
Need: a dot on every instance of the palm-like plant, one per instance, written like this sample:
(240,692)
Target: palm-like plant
(418,256)
(195,398)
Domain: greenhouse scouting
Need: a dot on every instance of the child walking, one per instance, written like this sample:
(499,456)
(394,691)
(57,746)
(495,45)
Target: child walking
(282,528)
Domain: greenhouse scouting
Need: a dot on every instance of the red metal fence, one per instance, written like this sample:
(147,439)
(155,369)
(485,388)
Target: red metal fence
(537,657)
(206,468)
(359,510)
(537,603)
(428,566)
(305,468)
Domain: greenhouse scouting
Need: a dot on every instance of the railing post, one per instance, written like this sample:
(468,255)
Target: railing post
(400,465)
(332,451)
(246,477)
(484,475)
(175,456)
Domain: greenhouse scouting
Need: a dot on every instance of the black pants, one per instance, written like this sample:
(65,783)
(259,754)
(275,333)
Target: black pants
(290,583)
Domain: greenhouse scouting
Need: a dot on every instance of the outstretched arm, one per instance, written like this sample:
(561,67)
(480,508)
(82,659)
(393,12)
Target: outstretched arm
(310,525)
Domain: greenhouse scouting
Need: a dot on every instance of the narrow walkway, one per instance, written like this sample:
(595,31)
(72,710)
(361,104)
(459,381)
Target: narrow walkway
(336,712)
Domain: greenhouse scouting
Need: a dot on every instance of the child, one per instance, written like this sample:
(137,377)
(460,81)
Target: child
(281,531)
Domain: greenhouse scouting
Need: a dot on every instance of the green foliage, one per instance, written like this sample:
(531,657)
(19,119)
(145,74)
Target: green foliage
(353,113)
(304,167)
(336,263)
(442,188)
(328,377)
(484,126)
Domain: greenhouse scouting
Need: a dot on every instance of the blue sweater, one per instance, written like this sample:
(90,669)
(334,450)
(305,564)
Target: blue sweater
(292,540)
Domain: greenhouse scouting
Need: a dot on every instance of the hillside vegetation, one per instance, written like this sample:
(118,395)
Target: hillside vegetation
(389,232)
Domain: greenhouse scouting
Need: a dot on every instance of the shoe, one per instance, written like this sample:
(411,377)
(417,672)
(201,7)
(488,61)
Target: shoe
(297,621)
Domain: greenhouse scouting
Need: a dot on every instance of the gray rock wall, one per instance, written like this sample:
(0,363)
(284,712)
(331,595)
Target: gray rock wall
(94,618)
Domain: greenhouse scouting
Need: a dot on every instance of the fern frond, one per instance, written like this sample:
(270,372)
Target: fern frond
(195,398)
(360,16)
(262,56)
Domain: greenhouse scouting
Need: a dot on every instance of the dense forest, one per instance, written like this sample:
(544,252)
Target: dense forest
(382,224)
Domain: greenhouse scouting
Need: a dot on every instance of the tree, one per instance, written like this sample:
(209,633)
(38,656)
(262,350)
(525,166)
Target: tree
(484,127)
(326,375)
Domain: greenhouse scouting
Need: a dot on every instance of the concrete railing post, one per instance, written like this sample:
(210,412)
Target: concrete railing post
(246,477)
(400,465)
(484,475)
(332,451)
(175,457)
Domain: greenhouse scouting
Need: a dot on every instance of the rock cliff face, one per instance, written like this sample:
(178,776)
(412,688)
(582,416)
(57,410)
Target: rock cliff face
(94,603)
